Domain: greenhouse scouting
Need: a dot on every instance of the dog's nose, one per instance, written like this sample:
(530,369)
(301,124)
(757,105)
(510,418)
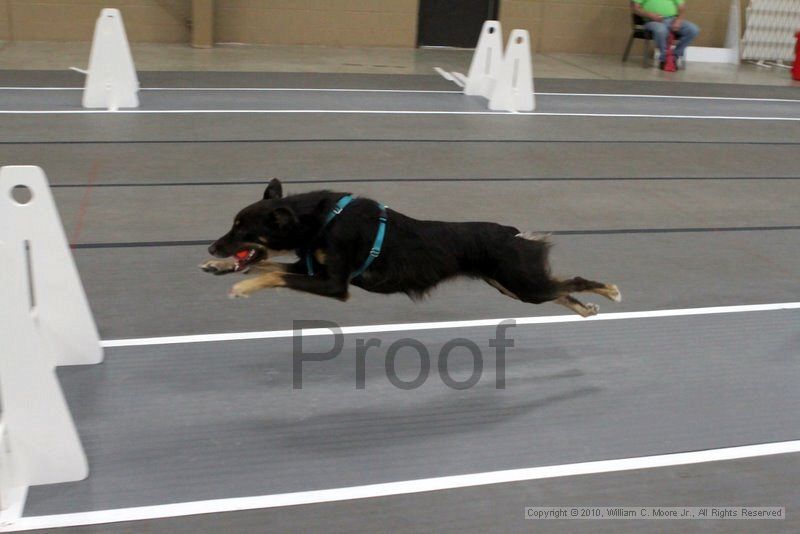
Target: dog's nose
(213,249)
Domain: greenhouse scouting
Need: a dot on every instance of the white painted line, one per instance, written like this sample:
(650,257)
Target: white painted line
(249,89)
(42,88)
(385,112)
(446,75)
(404,327)
(676,97)
(299,90)
(400,488)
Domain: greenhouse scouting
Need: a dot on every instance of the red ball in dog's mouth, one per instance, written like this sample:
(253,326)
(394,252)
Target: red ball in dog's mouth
(244,257)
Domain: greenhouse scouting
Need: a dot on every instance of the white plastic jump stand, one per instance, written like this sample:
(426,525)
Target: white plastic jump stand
(514,88)
(486,61)
(731,53)
(45,321)
(60,307)
(111,80)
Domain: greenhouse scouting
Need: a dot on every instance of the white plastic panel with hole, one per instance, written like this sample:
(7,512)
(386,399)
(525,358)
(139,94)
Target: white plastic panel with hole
(45,321)
(486,61)
(514,88)
(111,80)
(59,305)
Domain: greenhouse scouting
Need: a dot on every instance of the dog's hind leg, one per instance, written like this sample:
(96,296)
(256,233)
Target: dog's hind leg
(542,288)
(502,289)
(584,310)
(547,290)
(522,271)
(581,285)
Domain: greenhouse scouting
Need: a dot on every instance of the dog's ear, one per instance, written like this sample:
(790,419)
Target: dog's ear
(274,190)
(282,218)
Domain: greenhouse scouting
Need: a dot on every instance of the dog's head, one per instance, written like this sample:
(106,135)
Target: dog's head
(266,227)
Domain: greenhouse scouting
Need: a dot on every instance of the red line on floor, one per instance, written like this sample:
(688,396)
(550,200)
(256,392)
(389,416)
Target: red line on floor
(84,206)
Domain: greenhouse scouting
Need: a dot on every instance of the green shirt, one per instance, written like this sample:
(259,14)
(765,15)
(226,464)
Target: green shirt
(665,8)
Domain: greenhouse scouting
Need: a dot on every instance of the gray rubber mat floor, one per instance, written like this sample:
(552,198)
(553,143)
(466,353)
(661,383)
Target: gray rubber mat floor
(681,213)
(654,272)
(230,424)
(754,480)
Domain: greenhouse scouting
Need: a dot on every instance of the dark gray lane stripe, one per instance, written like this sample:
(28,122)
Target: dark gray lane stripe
(149,244)
(674,230)
(389,140)
(400,180)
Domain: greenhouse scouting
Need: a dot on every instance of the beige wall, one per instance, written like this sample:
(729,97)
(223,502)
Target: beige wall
(584,26)
(599,26)
(73,20)
(318,22)
(313,22)
(5,33)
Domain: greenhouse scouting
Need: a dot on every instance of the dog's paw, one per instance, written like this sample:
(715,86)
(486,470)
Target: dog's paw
(218,266)
(245,288)
(613,293)
(234,294)
(239,291)
(590,309)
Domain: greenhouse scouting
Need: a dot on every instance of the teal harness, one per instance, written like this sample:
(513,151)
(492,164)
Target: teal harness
(376,245)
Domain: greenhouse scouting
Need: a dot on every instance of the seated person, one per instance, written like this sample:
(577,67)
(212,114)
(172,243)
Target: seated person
(663,16)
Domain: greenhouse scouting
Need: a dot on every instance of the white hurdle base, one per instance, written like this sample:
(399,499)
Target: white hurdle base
(706,54)
(45,321)
(111,80)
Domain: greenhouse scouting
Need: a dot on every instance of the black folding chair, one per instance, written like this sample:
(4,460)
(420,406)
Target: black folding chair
(639,32)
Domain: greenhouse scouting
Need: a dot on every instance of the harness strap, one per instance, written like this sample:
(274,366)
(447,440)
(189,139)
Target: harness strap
(374,252)
(337,209)
(376,245)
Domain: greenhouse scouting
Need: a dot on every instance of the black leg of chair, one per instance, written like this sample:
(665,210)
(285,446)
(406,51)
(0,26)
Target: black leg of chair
(627,49)
(646,54)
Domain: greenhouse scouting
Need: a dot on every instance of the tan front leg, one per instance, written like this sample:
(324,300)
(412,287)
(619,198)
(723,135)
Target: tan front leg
(219,266)
(266,266)
(245,288)
(227,265)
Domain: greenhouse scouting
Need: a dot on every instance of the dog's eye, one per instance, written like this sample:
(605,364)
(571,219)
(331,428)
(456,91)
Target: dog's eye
(236,222)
